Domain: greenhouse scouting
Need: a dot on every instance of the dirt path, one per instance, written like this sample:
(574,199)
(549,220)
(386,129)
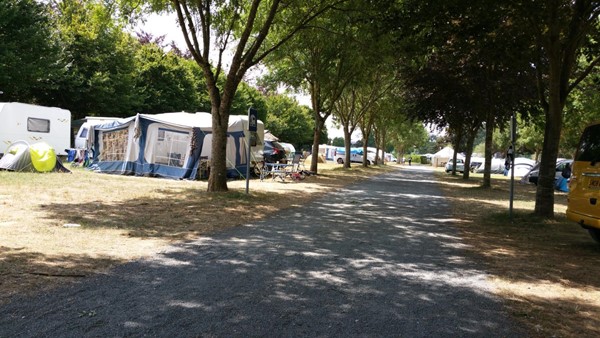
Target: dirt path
(378,258)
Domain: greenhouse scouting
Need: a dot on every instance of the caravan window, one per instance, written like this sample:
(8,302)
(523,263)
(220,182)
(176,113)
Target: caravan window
(38,125)
(171,147)
(84,132)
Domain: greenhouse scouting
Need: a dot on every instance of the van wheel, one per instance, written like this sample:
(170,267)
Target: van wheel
(595,233)
(340,161)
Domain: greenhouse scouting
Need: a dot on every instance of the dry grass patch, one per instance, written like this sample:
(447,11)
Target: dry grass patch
(123,218)
(548,270)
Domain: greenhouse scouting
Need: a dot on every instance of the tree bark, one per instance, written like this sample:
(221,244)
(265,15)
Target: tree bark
(457,139)
(319,124)
(365,140)
(347,144)
(544,199)
(382,146)
(489,136)
(217,180)
(563,36)
(470,141)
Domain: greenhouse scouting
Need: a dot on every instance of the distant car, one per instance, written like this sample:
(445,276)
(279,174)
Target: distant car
(274,152)
(460,165)
(532,175)
(521,169)
(356,156)
(476,162)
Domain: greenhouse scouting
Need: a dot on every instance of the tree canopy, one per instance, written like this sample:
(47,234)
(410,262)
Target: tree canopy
(386,67)
(29,51)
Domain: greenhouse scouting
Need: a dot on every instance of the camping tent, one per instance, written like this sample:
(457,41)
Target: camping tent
(38,157)
(175,145)
(442,157)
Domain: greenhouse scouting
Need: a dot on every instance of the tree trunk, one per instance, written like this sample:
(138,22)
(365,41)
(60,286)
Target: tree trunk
(377,145)
(489,138)
(382,146)
(347,144)
(217,180)
(400,152)
(563,43)
(557,81)
(315,99)
(456,144)
(319,124)
(544,199)
(467,164)
(366,135)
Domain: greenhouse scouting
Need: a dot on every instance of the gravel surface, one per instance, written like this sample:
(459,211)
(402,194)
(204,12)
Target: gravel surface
(380,258)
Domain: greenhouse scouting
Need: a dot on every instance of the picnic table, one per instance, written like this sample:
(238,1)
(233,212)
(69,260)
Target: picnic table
(276,170)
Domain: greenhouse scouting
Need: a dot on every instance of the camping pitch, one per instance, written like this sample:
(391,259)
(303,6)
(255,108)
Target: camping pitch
(38,157)
(173,145)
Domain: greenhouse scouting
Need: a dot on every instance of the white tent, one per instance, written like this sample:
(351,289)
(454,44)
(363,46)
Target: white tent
(442,157)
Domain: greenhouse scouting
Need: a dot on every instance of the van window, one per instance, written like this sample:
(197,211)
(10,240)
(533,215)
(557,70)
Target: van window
(589,147)
(38,125)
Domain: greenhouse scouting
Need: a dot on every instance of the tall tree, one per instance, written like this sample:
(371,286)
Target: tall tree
(245,32)
(321,69)
(165,82)
(406,134)
(325,58)
(28,50)
(98,57)
(563,31)
(459,66)
(348,112)
(356,107)
(289,121)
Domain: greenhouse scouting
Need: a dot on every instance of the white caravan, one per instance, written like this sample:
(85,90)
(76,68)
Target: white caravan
(32,124)
(81,138)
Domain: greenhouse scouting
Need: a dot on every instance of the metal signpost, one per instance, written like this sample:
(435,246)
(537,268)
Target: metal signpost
(252,127)
(511,156)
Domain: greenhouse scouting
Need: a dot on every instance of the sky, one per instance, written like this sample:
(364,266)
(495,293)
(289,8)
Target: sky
(166,24)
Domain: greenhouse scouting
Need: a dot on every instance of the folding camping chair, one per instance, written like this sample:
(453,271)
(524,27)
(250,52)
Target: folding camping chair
(298,170)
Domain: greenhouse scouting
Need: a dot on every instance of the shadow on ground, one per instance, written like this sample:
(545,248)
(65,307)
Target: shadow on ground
(548,268)
(381,258)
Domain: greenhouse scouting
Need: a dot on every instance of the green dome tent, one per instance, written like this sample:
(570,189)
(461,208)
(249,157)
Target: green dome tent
(38,157)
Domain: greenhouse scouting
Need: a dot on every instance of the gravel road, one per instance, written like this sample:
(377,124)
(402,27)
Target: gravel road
(379,258)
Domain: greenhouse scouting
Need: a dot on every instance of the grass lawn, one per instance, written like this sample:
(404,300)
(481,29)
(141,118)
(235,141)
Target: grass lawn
(548,271)
(122,218)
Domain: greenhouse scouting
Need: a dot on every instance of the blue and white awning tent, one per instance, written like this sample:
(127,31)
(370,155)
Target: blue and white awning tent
(172,145)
